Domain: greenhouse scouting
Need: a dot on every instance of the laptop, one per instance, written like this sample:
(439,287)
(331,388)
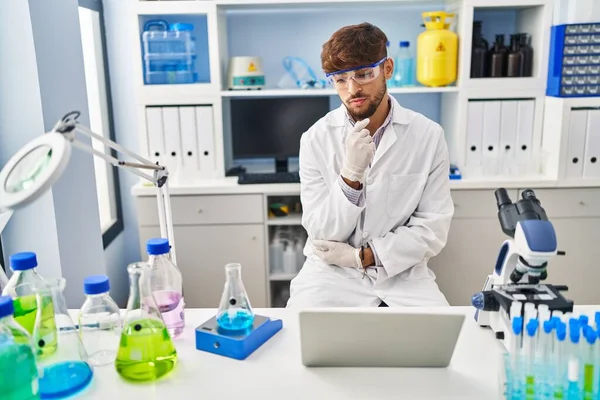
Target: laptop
(378,337)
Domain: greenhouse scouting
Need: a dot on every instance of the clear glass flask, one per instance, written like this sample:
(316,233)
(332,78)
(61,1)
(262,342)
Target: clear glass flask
(235,313)
(166,285)
(18,372)
(66,371)
(146,351)
(99,321)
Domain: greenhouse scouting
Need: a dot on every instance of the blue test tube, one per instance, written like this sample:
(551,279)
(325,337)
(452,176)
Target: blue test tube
(573,390)
(560,360)
(514,389)
(545,359)
(584,320)
(597,320)
(529,342)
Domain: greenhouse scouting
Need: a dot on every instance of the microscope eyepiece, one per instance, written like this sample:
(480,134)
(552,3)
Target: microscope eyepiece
(529,194)
(502,197)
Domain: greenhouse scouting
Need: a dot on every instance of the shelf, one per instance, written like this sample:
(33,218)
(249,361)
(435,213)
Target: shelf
(253,4)
(327,92)
(289,220)
(180,94)
(173,7)
(282,277)
(505,84)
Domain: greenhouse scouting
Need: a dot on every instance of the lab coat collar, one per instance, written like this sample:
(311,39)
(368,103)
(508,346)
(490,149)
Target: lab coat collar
(400,115)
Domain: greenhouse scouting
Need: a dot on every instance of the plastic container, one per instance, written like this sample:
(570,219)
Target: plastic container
(18,371)
(169,53)
(437,51)
(166,285)
(99,321)
(276,256)
(24,286)
(404,68)
(289,258)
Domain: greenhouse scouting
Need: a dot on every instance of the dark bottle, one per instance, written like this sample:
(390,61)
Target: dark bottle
(478,52)
(514,58)
(497,58)
(526,54)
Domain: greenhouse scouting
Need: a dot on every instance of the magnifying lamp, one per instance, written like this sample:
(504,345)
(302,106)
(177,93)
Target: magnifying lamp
(40,163)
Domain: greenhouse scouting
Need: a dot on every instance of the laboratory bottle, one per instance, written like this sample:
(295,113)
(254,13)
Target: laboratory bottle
(99,321)
(166,285)
(235,313)
(276,255)
(514,58)
(289,258)
(146,351)
(526,54)
(478,52)
(404,75)
(18,370)
(497,58)
(23,286)
(65,372)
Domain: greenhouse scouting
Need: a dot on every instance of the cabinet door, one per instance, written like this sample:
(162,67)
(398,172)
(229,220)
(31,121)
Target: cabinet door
(578,269)
(203,252)
(469,257)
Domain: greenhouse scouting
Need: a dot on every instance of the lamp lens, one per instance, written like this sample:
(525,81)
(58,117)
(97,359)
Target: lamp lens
(28,169)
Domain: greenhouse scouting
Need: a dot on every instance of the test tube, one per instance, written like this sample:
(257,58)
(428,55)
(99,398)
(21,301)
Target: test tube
(516,308)
(573,391)
(588,360)
(514,388)
(561,360)
(543,312)
(544,358)
(557,313)
(529,353)
(597,320)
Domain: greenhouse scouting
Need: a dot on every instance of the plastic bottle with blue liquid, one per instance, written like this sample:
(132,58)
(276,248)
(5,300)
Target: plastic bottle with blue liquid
(404,74)
(18,371)
(235,313)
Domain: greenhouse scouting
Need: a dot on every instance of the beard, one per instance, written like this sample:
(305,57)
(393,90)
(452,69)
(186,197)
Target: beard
(373,101)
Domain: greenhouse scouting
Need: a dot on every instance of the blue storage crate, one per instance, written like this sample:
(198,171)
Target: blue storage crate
(574,64)
(169,53)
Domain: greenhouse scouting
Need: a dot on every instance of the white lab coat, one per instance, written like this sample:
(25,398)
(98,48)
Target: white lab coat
(407,211)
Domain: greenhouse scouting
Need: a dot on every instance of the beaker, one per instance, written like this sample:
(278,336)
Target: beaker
(146,351)
(235,313)
(66,371)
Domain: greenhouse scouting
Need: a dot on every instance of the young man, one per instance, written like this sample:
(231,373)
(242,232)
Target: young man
(374,188)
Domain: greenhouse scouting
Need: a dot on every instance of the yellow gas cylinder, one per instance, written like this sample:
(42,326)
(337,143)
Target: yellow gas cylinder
(437,50)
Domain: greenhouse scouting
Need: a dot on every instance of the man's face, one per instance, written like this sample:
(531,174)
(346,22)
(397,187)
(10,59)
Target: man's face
(362,101)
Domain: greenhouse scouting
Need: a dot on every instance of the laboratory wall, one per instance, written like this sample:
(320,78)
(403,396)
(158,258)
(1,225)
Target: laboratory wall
(41,79)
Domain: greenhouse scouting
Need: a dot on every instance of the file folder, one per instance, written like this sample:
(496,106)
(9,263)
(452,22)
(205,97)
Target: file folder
(525,114)
(508,136)
(154,130)
(189,145)
(172,135)
(591,165)
(474,134)
(578,125)
(206,141)
(491,137)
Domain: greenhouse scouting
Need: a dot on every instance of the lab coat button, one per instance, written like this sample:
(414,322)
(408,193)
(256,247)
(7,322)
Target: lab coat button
(369,181)
(365,235)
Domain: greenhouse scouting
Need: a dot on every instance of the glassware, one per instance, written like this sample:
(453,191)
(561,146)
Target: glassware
(497,58)
(146,351)
(235,312)
(166,285)
(99,321)
(514,58)
(66,371)
(478,52)
(526,54)
(22,287)
(18,372)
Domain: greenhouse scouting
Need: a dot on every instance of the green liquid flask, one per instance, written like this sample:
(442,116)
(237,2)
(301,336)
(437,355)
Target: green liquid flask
(32,308)
(146,351)
(18,371)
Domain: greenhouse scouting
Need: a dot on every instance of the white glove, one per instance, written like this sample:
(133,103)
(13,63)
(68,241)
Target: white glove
(360,150)
(337,253)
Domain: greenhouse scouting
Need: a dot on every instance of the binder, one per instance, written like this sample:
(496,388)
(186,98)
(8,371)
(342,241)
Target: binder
(474,134)
(491,137)
(578,124)
(154,130)
(172,134)
(508,136)
(591,165)
(189,144)
(206,141)
(525,114)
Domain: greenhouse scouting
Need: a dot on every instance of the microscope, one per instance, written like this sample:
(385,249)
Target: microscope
(521,265)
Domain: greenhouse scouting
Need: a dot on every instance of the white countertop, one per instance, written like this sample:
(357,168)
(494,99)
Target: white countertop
(275,371)
(229,185)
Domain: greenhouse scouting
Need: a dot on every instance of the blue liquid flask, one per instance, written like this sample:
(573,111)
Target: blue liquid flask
(404,74)
(235,313)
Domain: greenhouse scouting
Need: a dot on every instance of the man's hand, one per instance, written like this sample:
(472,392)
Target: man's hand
(360,150)
(337,253)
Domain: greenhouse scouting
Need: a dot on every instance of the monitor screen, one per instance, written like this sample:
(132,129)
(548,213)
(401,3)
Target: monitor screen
(272,127)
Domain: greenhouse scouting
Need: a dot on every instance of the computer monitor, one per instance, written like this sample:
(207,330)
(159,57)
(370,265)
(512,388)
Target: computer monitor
(272,127)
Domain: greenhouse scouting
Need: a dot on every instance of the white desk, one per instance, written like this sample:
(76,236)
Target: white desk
(275,371)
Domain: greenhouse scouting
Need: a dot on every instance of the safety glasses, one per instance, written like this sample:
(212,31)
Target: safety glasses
(361,75)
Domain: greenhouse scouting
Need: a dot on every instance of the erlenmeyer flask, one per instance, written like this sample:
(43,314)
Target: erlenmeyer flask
(235,312)
(66,371)
(146,351)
